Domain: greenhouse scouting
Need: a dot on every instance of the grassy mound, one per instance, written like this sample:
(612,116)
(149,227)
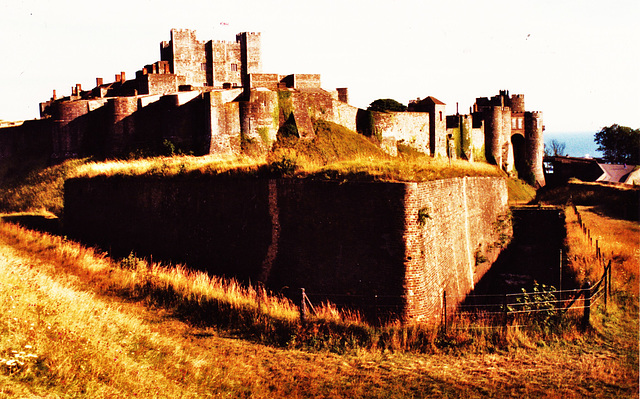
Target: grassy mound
(335,153)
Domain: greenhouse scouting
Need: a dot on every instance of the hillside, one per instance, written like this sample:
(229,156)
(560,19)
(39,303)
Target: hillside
(79,324)
(29,185)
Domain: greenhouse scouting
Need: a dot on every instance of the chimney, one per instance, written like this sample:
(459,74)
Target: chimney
(122,76)
(78,89)
(117,78)
(54,94)
(98,82)
(343,94)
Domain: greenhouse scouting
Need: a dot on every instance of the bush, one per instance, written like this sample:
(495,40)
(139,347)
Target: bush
(283,162)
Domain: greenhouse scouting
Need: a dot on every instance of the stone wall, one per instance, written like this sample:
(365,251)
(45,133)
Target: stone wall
(403,243)
(26,140)
(410,128)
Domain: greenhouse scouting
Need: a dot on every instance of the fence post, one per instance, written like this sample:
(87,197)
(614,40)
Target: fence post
(609,279)
(560,285)
(444,308)
(587,305)
(606,288)
(505,310)
(303,306)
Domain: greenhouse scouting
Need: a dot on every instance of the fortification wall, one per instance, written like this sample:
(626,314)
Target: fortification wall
(410,128)
(343,114)
(259,118)
(344,242)
(29,139)
(157,83)
(447,223)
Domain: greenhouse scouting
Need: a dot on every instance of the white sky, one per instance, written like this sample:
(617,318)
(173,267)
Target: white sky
(576,61)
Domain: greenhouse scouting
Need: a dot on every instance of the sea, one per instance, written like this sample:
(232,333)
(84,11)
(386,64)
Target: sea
(579,144)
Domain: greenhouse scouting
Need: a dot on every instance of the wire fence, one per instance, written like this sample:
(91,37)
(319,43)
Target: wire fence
(525,307)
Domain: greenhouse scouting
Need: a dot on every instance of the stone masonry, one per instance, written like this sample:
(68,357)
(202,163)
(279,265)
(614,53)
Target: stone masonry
(209,97)
(404,243)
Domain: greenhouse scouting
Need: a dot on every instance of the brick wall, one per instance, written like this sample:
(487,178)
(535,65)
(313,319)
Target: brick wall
(347,243)
(447,221)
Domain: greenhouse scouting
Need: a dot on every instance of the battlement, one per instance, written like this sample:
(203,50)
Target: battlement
(226,79)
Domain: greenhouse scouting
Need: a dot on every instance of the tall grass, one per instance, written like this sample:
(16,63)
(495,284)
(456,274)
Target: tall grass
(72,325)
(251,312)
(618,241)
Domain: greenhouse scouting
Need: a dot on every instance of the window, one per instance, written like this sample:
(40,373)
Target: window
(234,67)
(203,66)
(440,115)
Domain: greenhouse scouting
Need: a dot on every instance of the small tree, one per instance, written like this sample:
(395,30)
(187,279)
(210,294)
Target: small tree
(556,149)
(387,105)
(619,144)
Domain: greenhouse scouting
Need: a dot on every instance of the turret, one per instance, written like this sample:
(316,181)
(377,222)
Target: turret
(534,146)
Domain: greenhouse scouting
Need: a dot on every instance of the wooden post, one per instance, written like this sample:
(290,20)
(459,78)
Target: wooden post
(560,285)
(303,307)
(609,279)
(505,309)
(587,305)
(444,310)
(606,288)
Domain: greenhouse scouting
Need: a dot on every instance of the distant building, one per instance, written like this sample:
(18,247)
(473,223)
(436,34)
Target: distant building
(559,169)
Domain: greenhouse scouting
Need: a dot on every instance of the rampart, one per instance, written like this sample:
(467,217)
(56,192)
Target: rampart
(212,97)
(407,242)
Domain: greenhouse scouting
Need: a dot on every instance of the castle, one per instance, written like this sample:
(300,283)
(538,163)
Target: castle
(212,97)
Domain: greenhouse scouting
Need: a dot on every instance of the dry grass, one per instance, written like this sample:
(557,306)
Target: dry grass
(618,240)
(96,331)
(36,190)
(335,153)
(171,166)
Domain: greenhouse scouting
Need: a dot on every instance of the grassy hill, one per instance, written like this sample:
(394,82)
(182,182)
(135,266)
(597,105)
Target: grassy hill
(29,185)
(78,324)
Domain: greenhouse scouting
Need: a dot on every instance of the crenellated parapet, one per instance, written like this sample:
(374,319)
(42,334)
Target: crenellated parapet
(213,97)
(513,137)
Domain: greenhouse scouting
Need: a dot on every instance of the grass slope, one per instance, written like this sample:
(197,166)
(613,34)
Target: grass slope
(70,329)
(29,185)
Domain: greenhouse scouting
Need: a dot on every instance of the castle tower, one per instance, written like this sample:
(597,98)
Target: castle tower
(120,126)
(493,134)
(517,103)
(534,147)
(187,56)
(251,53)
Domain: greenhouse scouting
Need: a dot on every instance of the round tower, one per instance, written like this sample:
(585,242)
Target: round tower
(121,129)
(534,147)
(493,135)
(507,150)
(68,137)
